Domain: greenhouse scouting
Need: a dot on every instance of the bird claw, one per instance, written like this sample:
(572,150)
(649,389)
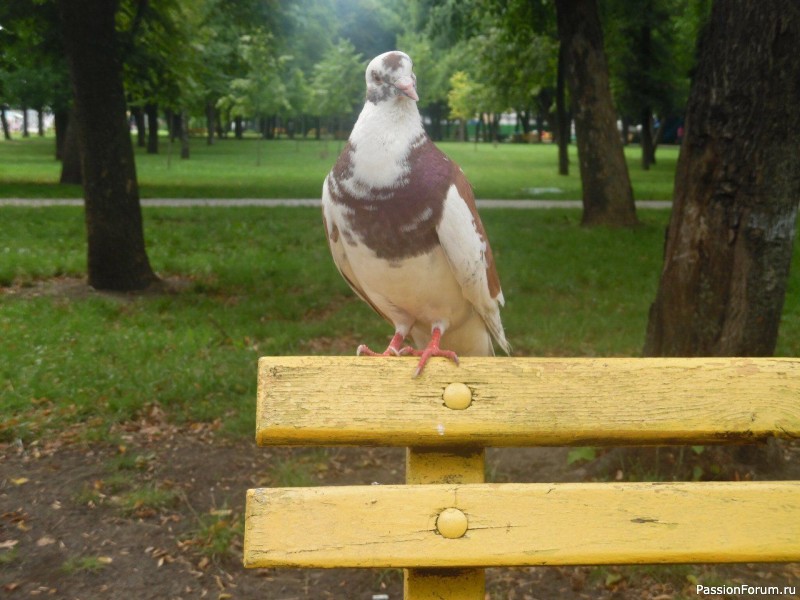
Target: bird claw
(394,349)
(364,350)
(431,352)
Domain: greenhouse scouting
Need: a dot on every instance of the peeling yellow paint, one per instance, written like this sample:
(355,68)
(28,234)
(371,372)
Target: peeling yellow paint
(446,525)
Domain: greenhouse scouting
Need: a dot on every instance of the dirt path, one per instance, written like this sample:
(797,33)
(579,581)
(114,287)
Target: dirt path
(158,513)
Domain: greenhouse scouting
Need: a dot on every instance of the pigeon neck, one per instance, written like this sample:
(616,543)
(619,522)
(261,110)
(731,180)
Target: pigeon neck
(381,140)
(396,116)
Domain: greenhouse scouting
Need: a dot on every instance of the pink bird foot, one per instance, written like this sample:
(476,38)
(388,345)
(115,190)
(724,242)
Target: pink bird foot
(393,349)
(432,349)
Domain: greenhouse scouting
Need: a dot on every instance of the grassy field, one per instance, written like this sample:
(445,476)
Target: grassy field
(260,282)
(289,169)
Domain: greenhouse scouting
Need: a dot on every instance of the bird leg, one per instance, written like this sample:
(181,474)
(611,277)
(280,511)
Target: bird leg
(394,349)
(432,349)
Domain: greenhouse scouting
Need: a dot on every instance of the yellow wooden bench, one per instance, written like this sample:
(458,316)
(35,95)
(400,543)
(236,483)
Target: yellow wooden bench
(448,525)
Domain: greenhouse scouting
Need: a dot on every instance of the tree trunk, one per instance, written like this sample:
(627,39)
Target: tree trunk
(70,151)
(607,193)
(4,121)
(647,138)
(61,122)
(435,112)
(221,132)
(183,120)
(117,259)
(563,121)
(210,120)
(25,131)
(524,121)
(169,119)
(626,130)
(138,118)
(238,129)
(151,110)
(737,185)
(40,121)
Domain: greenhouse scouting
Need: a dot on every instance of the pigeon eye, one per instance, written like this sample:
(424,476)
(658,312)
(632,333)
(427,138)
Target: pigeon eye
(377,78)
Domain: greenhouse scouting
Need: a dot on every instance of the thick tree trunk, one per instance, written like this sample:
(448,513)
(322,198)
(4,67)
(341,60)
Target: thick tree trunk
(70,151)
(116,252)
(563,120)
(607,193)
(151,111)
(737,186)
(40,122)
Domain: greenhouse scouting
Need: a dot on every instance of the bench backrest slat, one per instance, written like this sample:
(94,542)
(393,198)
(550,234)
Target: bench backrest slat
(527,402)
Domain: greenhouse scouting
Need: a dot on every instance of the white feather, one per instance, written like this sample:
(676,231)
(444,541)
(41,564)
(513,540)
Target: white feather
(466,252)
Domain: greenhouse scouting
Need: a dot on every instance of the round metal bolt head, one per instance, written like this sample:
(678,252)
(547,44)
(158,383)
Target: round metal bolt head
(457,396)
(451,523)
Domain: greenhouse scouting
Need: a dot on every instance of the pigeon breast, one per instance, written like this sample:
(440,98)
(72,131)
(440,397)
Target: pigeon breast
(398,220)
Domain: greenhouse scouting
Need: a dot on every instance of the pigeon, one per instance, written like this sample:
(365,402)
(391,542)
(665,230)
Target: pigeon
(403,229)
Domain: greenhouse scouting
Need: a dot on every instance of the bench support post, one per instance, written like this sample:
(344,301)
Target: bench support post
(444,466)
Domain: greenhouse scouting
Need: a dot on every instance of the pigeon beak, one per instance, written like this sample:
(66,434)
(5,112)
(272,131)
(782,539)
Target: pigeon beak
(408,87)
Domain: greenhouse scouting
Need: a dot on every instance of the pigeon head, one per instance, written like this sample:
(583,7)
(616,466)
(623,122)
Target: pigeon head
(390,77)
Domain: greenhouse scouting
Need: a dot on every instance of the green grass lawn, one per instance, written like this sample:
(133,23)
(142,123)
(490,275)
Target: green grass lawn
(259,281)
(296,169)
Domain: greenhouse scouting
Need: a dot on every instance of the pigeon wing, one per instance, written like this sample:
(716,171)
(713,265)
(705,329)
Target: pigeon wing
(464,241)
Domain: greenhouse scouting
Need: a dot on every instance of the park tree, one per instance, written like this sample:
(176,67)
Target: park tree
(650,45)
(33,71)
(150,41)
(517,57)
(737,186)
(607,192)
(117,259)
(338,83)
(464,99)
(262,91)
(434,69)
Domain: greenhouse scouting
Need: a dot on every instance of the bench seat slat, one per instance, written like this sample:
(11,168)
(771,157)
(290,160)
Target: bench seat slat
(524,524)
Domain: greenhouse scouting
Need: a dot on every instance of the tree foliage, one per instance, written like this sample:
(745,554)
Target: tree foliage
(338,81)
(257,58)
(262,90)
